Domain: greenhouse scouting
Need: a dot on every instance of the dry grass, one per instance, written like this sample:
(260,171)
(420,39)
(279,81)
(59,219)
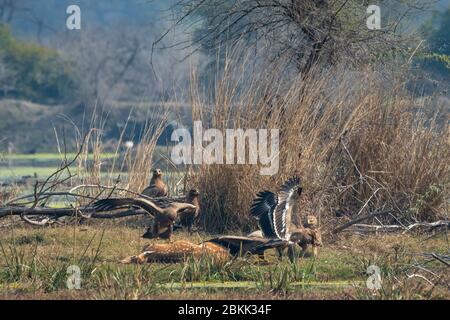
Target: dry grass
(358,141)
(137,161)
(127,168)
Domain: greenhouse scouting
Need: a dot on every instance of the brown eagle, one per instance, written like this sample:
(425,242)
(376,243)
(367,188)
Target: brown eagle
(164,218)
(157,187)
(189,216)
(274,213)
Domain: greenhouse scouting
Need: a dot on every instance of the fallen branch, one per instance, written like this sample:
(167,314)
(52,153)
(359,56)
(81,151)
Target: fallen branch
(438,257)
(157,200)
(44,196)
(41,216)
(416,275)
(99,186)
(41,223)
(405,229)
(359,219)
(56,213)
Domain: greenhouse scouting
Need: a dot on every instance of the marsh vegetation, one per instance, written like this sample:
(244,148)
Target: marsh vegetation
(370,143)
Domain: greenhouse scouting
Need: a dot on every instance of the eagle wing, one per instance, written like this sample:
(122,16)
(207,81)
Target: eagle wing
(270,244)
(238,245)
(263,209)
(112,204)
(283,211)
(273,211)
(118,203)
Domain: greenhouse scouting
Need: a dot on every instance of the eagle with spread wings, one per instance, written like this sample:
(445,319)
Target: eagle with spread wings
(274,211)
(274,214)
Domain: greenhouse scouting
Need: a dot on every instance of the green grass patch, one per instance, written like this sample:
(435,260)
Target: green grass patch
(40,172)
(18,172)
(36,261)
(51,156)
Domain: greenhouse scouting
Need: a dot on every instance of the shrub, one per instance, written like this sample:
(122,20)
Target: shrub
(39,74)
(358,143)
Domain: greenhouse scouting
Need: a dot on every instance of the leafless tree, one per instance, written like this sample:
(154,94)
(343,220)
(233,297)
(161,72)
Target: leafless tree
(303,32)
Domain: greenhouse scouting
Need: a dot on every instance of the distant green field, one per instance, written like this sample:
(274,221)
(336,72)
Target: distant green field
(42,164)
(16,166)
(18,172)
(49,156)
(41,172)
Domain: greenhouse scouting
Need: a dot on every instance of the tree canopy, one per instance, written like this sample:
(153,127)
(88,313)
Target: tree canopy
(437,33)
(304,33)
(32,72)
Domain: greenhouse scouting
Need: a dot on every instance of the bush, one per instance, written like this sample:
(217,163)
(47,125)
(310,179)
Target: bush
(37,73)
(437,57)
(358,143)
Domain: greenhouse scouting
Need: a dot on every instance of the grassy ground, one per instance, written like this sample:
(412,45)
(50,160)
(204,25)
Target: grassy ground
(34,264)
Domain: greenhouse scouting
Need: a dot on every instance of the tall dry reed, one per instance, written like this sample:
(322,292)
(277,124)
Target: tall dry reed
(359,143)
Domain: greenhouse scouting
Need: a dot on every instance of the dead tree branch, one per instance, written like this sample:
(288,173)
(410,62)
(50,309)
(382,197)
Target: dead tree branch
(405,229)
(65,212)
(359,219)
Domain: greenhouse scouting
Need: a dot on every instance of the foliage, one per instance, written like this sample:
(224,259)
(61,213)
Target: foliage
(437,32)
(39,73)
(301,32)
